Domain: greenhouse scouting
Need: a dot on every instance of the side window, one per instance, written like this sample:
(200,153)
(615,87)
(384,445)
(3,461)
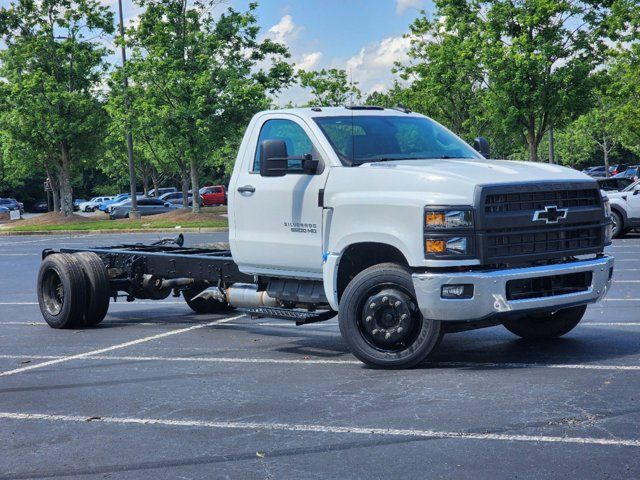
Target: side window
(298,143)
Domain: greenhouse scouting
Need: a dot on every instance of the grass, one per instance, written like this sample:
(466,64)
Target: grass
(210,217)
(118,225)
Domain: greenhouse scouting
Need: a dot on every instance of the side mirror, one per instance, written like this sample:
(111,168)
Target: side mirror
(481,145)
(273,158)
(167,204)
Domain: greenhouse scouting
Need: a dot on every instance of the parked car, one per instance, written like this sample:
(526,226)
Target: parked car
(613,184)
(40,207)
(104,206)
(633,173)
(92,204)
(625,209)
(11,204)
(616,169)
(146,206)
(214,195)
(20,204)
(161,191)
(598,171)
(5,213)
(175,198)
(77,202)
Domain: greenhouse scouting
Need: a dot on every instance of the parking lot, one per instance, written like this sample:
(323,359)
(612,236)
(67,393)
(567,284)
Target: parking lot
(158,392)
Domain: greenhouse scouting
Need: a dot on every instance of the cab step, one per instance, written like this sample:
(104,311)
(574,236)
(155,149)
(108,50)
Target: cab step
(301,317)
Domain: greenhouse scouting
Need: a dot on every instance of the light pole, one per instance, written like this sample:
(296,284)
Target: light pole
(134,213)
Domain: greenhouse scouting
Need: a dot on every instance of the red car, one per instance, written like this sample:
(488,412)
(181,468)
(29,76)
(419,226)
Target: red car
(215,195)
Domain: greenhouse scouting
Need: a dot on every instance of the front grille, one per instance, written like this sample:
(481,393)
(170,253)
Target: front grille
(510,230)
(507,243)
(525,201)
(549,286)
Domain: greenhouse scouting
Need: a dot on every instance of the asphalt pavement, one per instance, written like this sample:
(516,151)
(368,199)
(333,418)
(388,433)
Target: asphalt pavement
(158,392)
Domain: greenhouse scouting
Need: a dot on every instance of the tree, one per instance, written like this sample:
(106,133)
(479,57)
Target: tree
(201,78)
(53,66)
(446,75)
(526,63)
(625,76)
(330,88)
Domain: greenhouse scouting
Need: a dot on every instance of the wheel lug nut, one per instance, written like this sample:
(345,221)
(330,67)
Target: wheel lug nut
(375,331)
(400,329)
(387,336)
(403,316)
(368,319)
(397,304)
(385,299)
(372,305)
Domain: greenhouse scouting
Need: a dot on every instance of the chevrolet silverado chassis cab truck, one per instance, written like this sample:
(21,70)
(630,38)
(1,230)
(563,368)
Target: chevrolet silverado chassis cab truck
(382,216)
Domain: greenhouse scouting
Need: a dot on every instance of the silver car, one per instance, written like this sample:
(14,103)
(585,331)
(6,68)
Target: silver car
(146,206)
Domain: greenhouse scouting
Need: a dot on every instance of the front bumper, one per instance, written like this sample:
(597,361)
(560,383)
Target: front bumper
(490,290)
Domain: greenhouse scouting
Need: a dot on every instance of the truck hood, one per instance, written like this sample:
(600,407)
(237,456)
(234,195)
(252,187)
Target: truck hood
(434,182)
(479,172)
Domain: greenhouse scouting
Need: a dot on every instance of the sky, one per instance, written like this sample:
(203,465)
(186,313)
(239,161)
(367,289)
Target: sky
(364,37)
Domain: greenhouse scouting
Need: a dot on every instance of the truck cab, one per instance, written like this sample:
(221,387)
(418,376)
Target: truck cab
(482,241)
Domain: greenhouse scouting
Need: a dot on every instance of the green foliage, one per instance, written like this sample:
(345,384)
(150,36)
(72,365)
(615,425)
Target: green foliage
(52,69)
(330,88)
(199,79)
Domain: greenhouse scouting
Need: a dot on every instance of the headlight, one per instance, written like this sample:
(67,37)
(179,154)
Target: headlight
(448,219)
(608,230)
(449,232)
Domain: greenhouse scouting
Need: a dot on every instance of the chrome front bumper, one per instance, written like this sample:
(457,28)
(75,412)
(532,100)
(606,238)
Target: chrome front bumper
(490,290)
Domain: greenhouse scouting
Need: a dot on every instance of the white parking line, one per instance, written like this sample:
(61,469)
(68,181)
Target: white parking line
(311,428)
(117,347)
(313,361)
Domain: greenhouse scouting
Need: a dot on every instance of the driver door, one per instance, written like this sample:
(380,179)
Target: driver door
(278,222)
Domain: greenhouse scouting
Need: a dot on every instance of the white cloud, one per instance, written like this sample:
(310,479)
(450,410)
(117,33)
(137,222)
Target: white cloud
(309,61)
(285,31)
(404,5)
(371,67)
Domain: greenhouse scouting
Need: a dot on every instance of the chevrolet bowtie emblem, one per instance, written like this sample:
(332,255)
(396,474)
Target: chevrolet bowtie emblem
(550,214)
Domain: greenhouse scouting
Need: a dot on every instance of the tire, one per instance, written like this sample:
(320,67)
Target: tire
(62,293)
(380,320)
(98,288)
(550,325)
(618,224)
(202,305)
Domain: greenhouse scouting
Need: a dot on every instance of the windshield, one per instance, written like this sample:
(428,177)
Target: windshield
(370,138)
(634,186)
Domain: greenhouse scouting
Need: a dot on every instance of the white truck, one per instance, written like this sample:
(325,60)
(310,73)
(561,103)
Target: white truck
(382,216)
(625,209)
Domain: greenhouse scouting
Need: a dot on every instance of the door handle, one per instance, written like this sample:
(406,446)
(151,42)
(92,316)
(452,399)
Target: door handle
(247,189)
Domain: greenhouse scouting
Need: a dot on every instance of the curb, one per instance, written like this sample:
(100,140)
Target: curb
(116,231)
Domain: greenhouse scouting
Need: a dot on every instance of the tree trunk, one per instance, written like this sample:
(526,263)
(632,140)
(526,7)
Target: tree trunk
(64,176)
(154,178)
(184,177)
(145,182)
(195,186)
(605,150)
(55,190)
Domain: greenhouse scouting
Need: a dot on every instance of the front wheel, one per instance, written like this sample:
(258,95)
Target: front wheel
(380,319)
(548,325)
(618,225)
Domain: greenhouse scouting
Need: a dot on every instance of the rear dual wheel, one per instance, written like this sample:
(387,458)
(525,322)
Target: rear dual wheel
(73,290)
(380,320)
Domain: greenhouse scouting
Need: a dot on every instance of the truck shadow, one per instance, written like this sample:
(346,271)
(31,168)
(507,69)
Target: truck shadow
(493,345)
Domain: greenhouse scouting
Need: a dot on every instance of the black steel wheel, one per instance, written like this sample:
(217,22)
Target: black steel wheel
(98,289)
(547,325)
(380,320)
(61,291)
